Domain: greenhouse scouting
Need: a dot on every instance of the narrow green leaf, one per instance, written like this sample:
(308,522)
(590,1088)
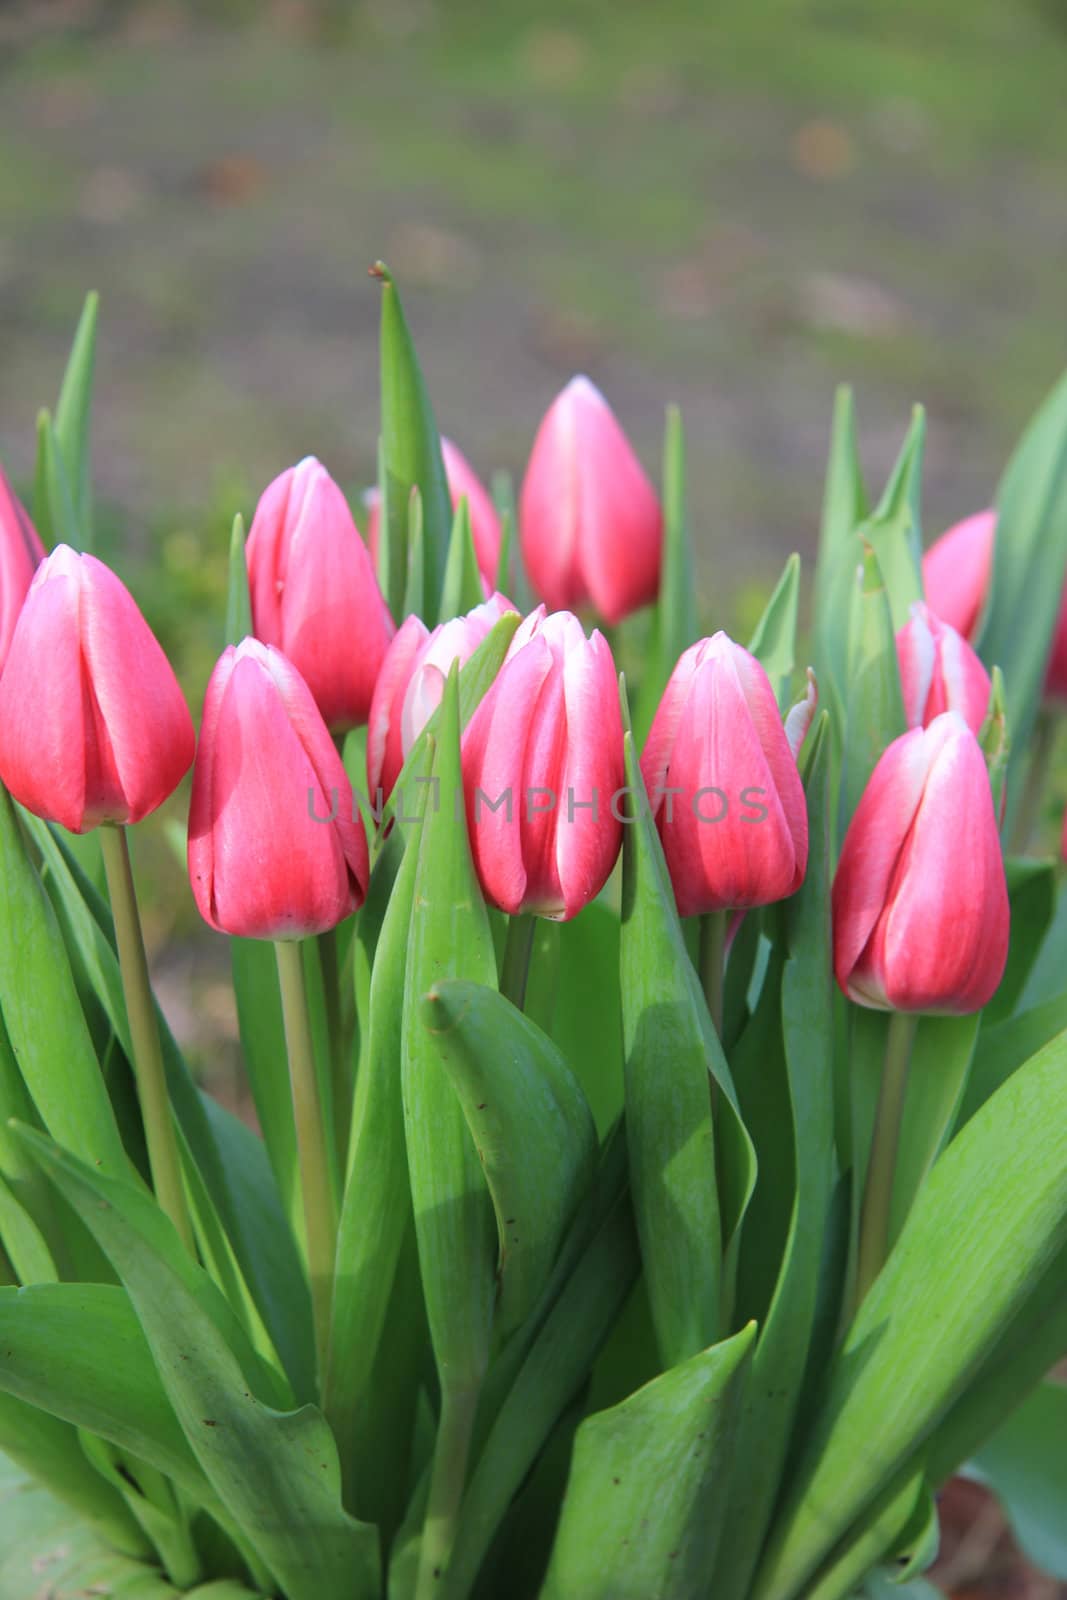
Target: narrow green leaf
(674,625)
(73,417)
(462,588)
(411,445)
(1032,901)
(1002,1049)
(54,513)
(894,529)
(844,508)
(42,1014)
(587,1021)
(531,1124)
(670,1446)
(24,1244)
(392,541)
(970,1256)
(517,587)
(875,708)
(1029,559)
(415,602)
(692,1180)
(774,641)
(275,1472)
(449,938)
(941,1056)
(871,1542)
(238,599)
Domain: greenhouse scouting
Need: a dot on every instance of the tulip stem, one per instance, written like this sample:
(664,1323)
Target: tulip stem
(713,962)
(448,1479)
(885,1142)
(1036,776)
(340,1079)
(518,947)
(320,1211)
(148,1067)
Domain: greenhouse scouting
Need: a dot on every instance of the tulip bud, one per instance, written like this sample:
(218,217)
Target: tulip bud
(939,672)
(920,902)
(93,725)
(21,553)
(723,783)
(957,569)
(314,593)
(412,681)
(590,520)
(463,481)
(543,769)
(275,849)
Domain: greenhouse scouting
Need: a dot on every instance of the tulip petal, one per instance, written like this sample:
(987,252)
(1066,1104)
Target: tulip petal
(588,841)
(957,569)
(385,754)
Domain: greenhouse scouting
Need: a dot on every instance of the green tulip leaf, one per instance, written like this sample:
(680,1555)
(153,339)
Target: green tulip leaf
(674,620)
(73,417)
(587,1016)
(894,529)
(1025,1464)
(462,589)
(844,508)
(238,597)
(875,707)
(774,641)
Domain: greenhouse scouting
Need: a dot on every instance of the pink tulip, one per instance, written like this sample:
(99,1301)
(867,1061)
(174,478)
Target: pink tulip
(314,593)
(21,553)
(93,726)
(920,903)
(485,524)
(590,520)
(543,768)
(412,681)
(957,569)
(275,850)
(939,672)
(723,783)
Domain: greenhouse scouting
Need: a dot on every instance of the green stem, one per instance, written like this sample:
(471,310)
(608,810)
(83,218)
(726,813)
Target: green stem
(1036,777)
(144,1034)
(713,928)
(320,1211)
(340,1081)
(448,1481)
(518,947)
(881,1169)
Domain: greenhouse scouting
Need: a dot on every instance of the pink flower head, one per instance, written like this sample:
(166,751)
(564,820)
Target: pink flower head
(21,553)
(939,672)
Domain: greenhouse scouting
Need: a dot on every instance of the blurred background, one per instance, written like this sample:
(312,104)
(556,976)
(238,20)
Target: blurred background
(734,207)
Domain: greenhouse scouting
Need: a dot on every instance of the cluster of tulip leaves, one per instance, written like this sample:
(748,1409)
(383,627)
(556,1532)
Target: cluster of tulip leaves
(595,1285)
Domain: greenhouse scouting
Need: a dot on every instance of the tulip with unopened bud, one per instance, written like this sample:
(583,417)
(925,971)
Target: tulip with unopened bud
(275,850)
(93,725)
(21,553)
(920,903)
(723,783)
(412,681)
(543,770)
(939,672)
(314,593)
(590,520)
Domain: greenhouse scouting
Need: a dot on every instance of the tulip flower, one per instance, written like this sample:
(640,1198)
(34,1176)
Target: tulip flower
(93,725)
(920,903)
(939,672)
(723,783)
(21,553)
(463,482)
(275,848)
(542,769)
(590,521)
(412,681)
(314,592)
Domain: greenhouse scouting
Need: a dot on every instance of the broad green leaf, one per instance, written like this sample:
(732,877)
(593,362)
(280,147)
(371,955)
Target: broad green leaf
(415,572)
(1026,1465)
(844,508)
(774,641)
(462,588)
(894,531)
(73,416)
(970,1256)
(391,566)
(77,1351)
(47,1450)
(1029,559)
(674,623)
(781,1352)
(539,1388)
(42,1014)
(669,1446)
(39,1532)
(24,1244)
(29,1189)
(411,446)
(238,598)
(259,1022)
(875,708)
(155,1505)
(276,1473)
(54,513)
(941,1057)
(1002,1049)
(691,1181)
(587,1022)
(1032,900)
(1046,979)
(531,1124)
